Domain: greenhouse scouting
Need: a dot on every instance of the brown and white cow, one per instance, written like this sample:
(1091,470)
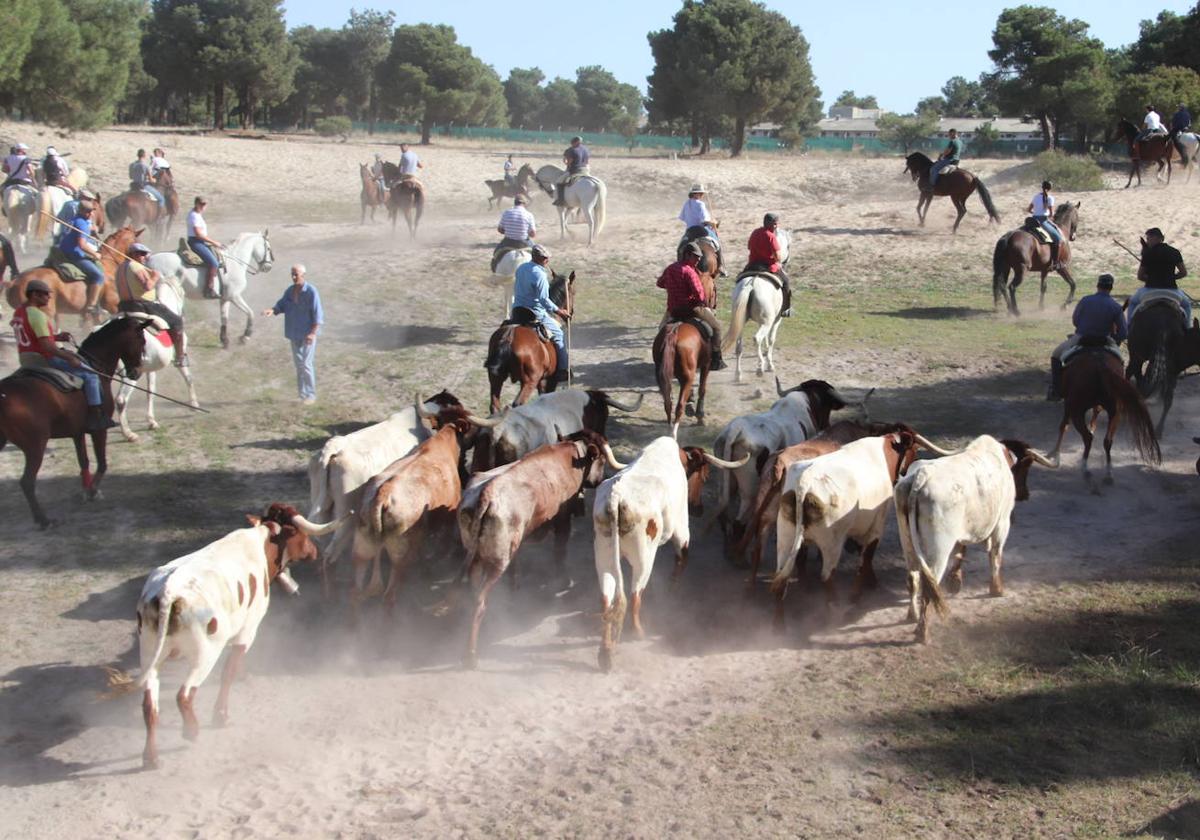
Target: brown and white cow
(503,507)
(193,607)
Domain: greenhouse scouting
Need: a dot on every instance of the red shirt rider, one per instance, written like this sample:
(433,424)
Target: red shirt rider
(684,289)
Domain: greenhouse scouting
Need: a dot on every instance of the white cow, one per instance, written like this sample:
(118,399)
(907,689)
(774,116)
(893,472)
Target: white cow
(520,430)
(945,505)
(346,463)
(196,605)
(843,495)
(642,507)
(797,415)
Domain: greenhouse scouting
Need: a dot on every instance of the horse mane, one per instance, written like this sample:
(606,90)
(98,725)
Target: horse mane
(1065,210)
(558,290)
(105,331)
(919,157)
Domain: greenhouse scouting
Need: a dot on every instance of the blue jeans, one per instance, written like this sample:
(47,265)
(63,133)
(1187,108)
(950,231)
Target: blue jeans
(304,356)
(204,252)
(158,196)
(938,166)
(1049,227)
(1184,301)
(95,274)
(91,382)
(556,335)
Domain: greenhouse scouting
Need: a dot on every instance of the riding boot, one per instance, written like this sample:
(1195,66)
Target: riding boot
(558,199)
(1054,266)
(92,303)
(1055,392)
(181,359)
(210,288)
(716,362)
(97,421)
(787,299)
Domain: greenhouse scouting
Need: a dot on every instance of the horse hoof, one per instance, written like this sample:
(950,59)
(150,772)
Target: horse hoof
(1108,480)
(132,437)
(689,410)
(152,425)
(225,344)
(700,420)
(243,339)
(194,403)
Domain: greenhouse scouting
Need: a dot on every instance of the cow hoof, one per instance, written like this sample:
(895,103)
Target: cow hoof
(224,343)
(152,425)
(604,660)
(954,584)
(132,437)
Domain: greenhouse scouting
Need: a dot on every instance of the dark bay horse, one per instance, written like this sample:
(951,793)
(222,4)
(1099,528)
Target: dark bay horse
(32,410)
(1019,251)
(1095,379)
(407,196)
(517,354)
(681,353)
(370,195)
(1159,350)
(8,260)
(1156,149)
(139,209)
(71,296)
(958,184)
(501,189)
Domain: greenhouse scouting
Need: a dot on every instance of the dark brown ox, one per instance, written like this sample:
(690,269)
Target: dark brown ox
(503,507)
(401,505)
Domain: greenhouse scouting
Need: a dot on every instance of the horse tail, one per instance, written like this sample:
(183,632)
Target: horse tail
(10,260)
(499,352)
(737,317)
(1157,370)
(666,366)
(986,197)
(598,210)
(1130,402)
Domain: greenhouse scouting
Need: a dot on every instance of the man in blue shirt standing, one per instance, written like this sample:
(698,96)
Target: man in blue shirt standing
(1098,321)
(300,307)
(531,291)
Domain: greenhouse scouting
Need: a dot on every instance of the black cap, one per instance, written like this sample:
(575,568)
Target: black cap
(1155,232)
(1104,281)
(693,249)
(770,219)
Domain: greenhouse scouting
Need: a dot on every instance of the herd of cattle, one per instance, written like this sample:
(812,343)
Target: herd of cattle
(390,487)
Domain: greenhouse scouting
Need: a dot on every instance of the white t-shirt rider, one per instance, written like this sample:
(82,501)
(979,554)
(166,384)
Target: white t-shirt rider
(1043,205)
(1153,121)
(196,226)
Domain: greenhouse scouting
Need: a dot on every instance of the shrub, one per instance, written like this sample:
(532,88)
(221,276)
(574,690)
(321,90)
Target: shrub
(332,126)
(1067,172)
(984,139)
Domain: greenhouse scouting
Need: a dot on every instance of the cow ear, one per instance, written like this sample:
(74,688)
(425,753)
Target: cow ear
(252,519)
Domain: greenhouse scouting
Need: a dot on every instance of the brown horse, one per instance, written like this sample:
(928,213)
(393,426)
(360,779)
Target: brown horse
(32,410)
(1159,350)
(681,353)
(8,261)
(407,196)
(71,297)
(1156,149)
(1095,379)
(138,208)
(501,189)
(371,195)
(1019,251)
(517,354)
(958,184)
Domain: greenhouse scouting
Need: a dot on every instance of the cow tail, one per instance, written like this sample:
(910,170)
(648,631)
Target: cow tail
(931,593)
(616,610)
(1130,403)
(784,573)
(499,352)
(166,603)
(737,317)
(320,499)
(986,197)
(375,518)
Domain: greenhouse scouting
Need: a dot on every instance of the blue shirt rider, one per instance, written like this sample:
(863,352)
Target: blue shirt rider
(531,291)
(76,245)
(950,156)
(1098,320)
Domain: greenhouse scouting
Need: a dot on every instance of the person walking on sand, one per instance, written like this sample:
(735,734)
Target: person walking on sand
(303,316)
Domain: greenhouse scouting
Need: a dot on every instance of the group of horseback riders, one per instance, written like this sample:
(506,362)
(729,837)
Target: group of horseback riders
(1101,323)
(408,166)
(1152,125)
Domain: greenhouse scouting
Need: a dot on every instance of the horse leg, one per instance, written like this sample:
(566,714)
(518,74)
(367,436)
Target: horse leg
(85,473)
(771,336)
(527,388)
(1109,434)
(685,393)
(700,398)
(1042,293)
(920,215)
(100,445)
(122,406)
(34,453)
(562,220)
(737,361)
(960,205)
(1065,273)
(241,304)
(151,381)
(1055,453)
(1078,421)
(1132,169)
(1018,279)
(186,373)
(224,309)
(1168,398)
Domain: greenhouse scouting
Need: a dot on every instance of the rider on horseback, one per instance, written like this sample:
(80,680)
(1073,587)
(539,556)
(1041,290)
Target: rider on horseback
(19,167)
(685,299)
(950,156)
(576,158)
(76,246)
(519,228)
(139,178)
(699,222)
(377,174)
(1042,210)
(1098,323)
(764,256)
(1181,123)
(37,346)
(409,163)
(1152,124)
(1161,269)
(55,170)
(137,287)
(200,243)
(510,175)
(531,292)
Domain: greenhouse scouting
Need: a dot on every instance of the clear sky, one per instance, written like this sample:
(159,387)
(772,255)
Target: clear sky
(894,50)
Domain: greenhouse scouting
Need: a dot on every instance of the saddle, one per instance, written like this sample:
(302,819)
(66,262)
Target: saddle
(753,270)
(500,252)
(705,329)
(1089,344)
(1158,297)
(67,270)
(1031,226)
(60,379)
(522,317)
(187,256)
(947,170)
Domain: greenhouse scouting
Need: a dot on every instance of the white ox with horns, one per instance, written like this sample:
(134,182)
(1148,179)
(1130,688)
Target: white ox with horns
(642,507)
(945,505)
(520,430)
(797,415)
(194,606)
(346,463)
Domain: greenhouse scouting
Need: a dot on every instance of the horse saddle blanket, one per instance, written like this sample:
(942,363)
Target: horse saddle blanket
(705,329)
(408,182)
(1031,226)
(501,250)
(1158,297)
(946,170)
(67,270)
(760,272)
(522,317)
(60,379)
(1089,345)
(190,258)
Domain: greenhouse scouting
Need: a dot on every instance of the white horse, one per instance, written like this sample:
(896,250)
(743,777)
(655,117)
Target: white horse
(1191,146)
(755,298)
(503,277)
(587,195)
(51,200)
(20,206)
(155,357)
(250,253)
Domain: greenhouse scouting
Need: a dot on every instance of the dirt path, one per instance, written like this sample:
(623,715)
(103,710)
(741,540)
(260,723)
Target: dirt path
(713,725)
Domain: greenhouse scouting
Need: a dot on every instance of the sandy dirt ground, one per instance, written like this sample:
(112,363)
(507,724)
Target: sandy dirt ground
(712,726)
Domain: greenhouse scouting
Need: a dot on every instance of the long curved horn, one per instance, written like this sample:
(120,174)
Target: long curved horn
(925,443)
(315,530)
(485,422)
(612,459)
(726,465)
(1043,460)
(779,388)
(625,406)
(421,412)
